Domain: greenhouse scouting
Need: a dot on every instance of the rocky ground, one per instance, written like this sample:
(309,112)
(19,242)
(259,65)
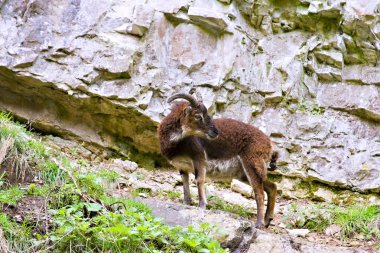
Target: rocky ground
(162,191)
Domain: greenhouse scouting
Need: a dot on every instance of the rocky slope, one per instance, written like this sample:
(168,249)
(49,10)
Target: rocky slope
(303,71)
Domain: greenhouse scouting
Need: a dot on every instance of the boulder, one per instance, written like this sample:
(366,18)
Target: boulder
(232,232)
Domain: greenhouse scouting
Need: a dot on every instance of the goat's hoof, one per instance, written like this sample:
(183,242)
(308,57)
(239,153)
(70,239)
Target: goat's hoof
(187,202)
(267,222)
(202,205)
(259,225)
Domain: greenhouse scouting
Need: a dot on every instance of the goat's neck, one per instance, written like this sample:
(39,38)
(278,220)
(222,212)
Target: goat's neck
(176,132)
(175,136)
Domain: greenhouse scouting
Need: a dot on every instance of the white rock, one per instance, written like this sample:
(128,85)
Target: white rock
(298,232)
(208,17)
(241,187)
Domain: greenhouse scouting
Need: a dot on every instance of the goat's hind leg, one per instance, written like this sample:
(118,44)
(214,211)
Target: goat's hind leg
(186,187)
(271,190)
(257,184)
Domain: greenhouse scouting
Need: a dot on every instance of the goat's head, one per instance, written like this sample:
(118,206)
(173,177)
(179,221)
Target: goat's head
(195,120)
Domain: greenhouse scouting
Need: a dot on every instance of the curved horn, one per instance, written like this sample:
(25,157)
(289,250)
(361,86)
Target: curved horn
(191,99)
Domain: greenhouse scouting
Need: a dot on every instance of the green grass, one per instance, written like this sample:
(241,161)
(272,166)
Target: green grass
(217,203)
(18,235)
(18,149)
(11,195)
(353,220)
(84,218)
(359,219)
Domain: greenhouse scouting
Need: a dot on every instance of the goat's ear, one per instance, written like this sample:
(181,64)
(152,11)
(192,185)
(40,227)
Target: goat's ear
(188,110)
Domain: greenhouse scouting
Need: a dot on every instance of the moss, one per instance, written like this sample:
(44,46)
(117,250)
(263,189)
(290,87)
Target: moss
(284,3)
(275,178)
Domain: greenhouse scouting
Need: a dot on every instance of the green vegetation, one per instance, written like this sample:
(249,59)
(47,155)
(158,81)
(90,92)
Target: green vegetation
(216,203)
(353,220)
(79,216)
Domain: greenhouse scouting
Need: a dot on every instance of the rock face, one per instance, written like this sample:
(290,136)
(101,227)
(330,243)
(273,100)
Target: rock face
(303,71)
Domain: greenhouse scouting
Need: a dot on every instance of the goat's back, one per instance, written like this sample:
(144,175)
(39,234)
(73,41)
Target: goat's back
(237,138)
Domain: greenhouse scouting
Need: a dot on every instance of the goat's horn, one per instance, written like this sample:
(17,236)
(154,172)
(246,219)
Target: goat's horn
(191,99)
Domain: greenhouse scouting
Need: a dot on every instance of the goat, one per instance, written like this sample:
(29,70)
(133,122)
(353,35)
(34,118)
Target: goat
(223,148)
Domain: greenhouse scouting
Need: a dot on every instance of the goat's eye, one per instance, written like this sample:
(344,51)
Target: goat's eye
(198,117)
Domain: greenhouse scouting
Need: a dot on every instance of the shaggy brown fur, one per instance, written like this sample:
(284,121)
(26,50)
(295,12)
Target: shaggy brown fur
(247,149)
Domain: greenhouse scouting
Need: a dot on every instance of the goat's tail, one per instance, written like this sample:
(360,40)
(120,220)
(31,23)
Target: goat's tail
(275,156)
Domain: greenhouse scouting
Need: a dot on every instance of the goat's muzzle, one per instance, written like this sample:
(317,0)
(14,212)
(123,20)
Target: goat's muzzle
(212,133)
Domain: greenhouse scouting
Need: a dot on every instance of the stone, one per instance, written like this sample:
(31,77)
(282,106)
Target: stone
(241,187)
(329,74)
(169,6)
(359,100)
(298,232)
(141,20)
(324,195)
(208,18)
(225,1)
(333,230)
(24,60)
(232,233)
(361,74)
(272,243)
(179,17)
(330,57)
(190,46)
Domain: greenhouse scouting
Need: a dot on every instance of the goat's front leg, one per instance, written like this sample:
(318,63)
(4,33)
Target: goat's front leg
(186,187)
(200,175)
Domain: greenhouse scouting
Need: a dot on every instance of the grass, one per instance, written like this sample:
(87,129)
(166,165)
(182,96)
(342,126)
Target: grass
(83,217)
(354,221)
(18,150)
(217,203)
(359,219)
(11,195)
(17,235)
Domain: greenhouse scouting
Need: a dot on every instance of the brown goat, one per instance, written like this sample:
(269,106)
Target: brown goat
(222,148)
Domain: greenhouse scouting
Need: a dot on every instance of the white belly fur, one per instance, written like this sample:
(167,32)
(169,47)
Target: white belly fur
(219,170)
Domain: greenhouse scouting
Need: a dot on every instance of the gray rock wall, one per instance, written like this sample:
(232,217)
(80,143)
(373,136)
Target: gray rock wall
(303,71)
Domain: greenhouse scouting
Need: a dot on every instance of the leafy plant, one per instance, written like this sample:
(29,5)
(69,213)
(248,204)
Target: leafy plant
(127,230)
(315,217)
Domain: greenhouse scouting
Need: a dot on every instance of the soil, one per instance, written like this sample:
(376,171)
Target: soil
(32,209)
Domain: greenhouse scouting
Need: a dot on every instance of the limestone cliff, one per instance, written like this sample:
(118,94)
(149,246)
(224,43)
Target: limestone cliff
(303,71)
